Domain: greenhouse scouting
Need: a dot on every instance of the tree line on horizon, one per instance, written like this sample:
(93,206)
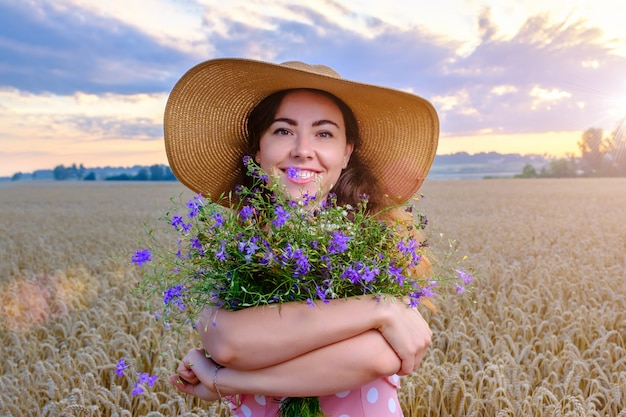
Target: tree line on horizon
(155,172)
(600,156)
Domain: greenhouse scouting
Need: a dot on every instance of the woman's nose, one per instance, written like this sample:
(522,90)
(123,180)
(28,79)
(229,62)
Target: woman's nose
(302,147)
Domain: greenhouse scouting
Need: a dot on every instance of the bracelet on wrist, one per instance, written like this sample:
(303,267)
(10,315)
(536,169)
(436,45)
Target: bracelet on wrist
(217,389)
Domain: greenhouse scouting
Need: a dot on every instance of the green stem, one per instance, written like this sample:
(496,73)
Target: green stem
(301,407)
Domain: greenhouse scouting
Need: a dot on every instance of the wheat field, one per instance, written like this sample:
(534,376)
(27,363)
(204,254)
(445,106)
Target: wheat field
(543,333)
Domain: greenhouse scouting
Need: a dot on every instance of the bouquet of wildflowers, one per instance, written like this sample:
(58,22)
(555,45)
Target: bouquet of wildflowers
(257,247)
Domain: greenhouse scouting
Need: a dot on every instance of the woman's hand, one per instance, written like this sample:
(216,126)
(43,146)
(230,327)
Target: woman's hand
(194,375)
(407,333)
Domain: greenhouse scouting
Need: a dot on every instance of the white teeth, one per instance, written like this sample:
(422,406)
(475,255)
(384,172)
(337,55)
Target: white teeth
(303,175)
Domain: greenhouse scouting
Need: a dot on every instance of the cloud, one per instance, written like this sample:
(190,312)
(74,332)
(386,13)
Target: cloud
(93,71)
(46,48)
(79,118)
(550,84)
(498,86)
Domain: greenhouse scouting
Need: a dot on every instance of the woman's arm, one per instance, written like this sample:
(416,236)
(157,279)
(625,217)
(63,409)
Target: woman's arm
(307,375)
(260,337)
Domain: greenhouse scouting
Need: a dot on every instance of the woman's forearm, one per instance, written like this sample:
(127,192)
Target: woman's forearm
(339,367)
(258,337)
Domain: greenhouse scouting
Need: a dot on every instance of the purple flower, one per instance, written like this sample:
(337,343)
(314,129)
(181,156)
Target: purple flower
(369,274)
(218,220)
(301,260)
(427,291)
(146,378)
(396,273)
(195,243)
(321,294)
(338,243)
(411,249)
(281,217)
(459,288)
(137,390)
(222,254)
(302,263)
(141,257)
(351,273)
(121,367)
(292,172)
(359,272)
(253,170)
(246,212)
(307,198)
(177,221)
(465,276)
(175,295)
(249,248)
(194,206)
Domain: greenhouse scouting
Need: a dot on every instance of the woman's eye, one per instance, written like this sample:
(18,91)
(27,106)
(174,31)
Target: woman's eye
(281,131)
(325,135)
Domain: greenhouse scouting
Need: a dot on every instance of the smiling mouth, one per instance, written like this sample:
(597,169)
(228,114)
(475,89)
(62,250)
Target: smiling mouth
(300,175)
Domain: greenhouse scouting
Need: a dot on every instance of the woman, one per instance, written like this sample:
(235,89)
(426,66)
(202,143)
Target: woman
(328,133)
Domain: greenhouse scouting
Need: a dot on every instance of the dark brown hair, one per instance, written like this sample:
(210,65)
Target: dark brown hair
(355,181)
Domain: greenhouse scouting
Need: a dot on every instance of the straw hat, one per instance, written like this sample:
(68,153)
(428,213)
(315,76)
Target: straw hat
(205,123)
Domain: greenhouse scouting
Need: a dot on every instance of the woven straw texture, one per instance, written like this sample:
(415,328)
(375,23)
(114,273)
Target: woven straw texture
(205,117)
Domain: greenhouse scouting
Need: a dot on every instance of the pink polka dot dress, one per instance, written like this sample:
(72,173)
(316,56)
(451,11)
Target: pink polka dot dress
(376,399)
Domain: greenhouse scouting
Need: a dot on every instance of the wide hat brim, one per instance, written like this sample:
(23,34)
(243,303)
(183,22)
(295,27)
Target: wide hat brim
(205,123)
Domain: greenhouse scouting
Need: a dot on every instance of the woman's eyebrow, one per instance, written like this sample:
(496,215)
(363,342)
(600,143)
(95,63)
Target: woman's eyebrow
(325,122)
(287,120)
(316,123)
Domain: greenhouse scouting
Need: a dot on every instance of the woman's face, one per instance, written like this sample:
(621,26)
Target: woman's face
(305,146)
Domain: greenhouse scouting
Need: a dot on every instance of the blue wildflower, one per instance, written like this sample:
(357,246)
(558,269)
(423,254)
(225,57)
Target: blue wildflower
(218,220)
(281,217)
(254,170)
(338,243)
(146,378)
(195,243)
(141,257)
(411,249)
(248,247)
(221,254)
(321,294)
(308,198)
(351,273)
(137,390)
(177,221)
(292,172)
(194,207)
(174,295)
(396,273)
(121,367)
(465,276)
(246,212)
(302,263)
(369,274)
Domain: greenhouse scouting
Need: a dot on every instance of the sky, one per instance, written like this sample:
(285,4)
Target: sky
(86,81)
